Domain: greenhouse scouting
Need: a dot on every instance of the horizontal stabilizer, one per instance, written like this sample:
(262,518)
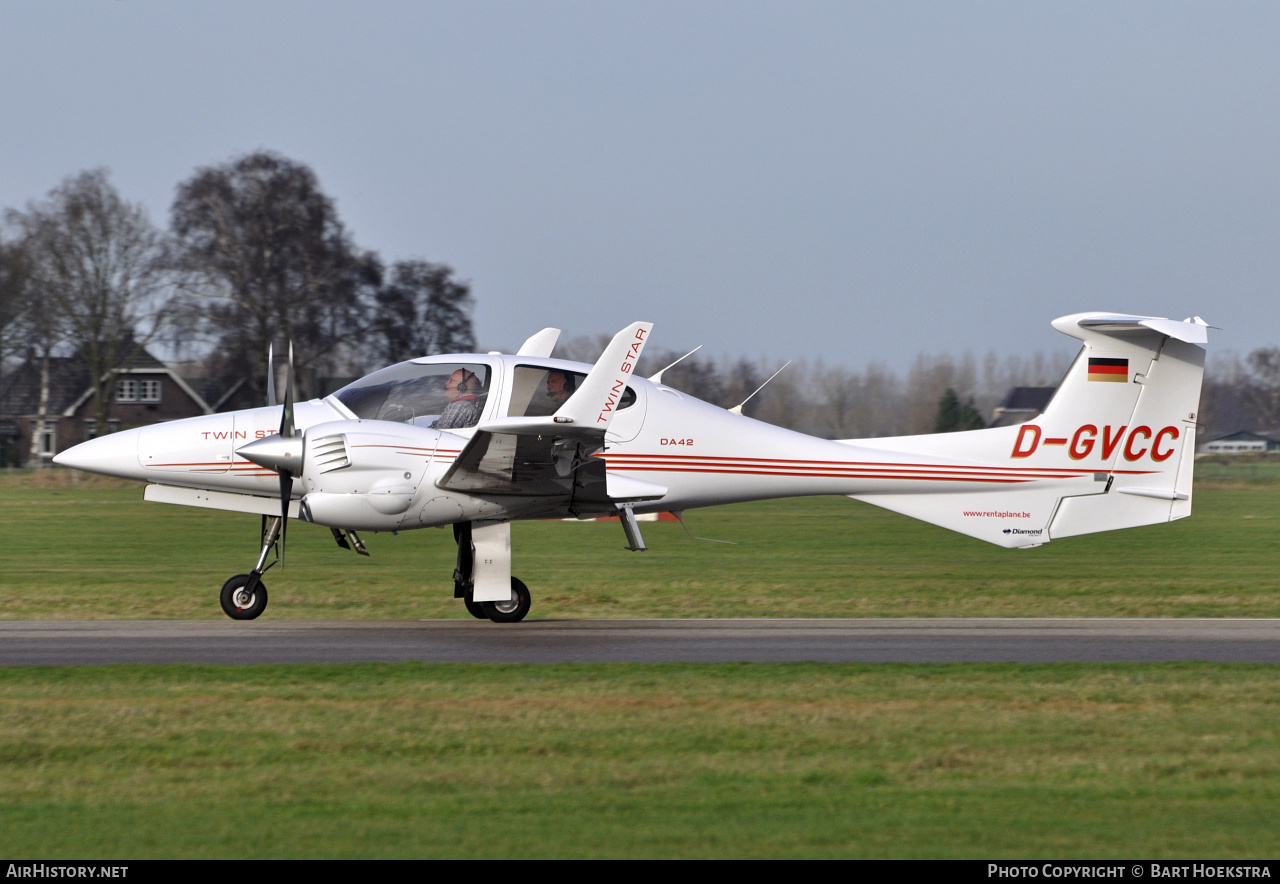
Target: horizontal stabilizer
(1191,331)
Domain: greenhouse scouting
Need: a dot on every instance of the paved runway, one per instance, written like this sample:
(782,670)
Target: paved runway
(594,641)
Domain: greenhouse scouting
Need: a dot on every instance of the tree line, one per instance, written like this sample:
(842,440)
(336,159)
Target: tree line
(254,255)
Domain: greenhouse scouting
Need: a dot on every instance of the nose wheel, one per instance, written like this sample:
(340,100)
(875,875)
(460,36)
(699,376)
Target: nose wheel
(243,597)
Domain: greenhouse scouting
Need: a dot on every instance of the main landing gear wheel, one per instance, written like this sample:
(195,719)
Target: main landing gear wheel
(512,611)
(241,603)
(475,609)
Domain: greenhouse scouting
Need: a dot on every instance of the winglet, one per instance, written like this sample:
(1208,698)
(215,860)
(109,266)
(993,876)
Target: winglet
(540,344)
(594,402)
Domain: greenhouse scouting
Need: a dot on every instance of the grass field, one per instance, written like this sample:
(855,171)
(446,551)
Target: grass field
(1238,467)
(96,550)
(416,760)
(746,760)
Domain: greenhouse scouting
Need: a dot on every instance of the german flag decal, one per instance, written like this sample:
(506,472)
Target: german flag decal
(1113,370)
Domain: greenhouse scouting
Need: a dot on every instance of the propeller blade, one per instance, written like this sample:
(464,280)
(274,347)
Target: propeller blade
(286,432)
(286,488)
(271,378)
(286,417)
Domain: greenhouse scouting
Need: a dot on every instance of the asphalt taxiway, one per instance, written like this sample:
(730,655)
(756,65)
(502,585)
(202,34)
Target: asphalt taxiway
(649,641)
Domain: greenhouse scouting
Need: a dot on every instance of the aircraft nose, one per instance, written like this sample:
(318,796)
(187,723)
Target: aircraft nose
(113,455)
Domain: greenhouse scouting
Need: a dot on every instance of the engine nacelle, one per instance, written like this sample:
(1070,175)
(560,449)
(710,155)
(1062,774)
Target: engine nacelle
(364,474)
(354,511)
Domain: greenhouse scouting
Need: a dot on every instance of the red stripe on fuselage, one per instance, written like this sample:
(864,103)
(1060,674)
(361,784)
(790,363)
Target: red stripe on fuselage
(818,464)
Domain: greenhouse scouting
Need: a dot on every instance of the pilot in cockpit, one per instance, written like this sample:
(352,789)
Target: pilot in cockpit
(463,410)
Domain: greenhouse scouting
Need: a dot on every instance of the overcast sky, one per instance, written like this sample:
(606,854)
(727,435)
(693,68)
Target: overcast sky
(855,181)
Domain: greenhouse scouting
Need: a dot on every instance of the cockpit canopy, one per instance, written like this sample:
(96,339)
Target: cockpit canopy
(421,393)
(453,395)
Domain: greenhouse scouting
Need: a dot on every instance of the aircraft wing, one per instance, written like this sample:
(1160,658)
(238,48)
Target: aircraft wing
(553,456)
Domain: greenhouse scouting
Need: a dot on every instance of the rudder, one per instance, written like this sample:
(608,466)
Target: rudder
(1149,459)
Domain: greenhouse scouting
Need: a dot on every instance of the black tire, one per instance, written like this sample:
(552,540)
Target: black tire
(512,611)
(475,609)
(235,607)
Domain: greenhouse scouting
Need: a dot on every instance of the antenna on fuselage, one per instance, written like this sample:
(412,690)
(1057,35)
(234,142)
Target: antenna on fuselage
(680,518)
(737,409)
(657,378)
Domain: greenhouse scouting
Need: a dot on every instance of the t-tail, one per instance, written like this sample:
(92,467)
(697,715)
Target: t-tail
(1114,449)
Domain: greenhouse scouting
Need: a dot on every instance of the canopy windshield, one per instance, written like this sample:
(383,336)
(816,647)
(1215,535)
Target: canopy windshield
(446,395)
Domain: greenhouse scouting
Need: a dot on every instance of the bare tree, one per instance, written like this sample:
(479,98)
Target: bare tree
(929,379)
(16,330)
(1224,395)
(785,402)
(742,378)
(14,302)
(29,327)
(1262,392)
(94,276)
(264,259)
(422,311)
(839,392)
(854,404)
(700,379)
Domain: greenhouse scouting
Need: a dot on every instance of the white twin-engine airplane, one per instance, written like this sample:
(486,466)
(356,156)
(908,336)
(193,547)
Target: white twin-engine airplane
(477,441)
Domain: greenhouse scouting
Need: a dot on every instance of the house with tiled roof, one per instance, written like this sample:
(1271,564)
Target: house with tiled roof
(145,392)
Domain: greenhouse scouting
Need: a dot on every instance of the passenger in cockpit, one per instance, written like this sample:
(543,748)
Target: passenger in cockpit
(560,386)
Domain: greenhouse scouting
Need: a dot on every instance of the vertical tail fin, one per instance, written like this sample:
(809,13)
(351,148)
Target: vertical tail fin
(1114,449)
(1148,453)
